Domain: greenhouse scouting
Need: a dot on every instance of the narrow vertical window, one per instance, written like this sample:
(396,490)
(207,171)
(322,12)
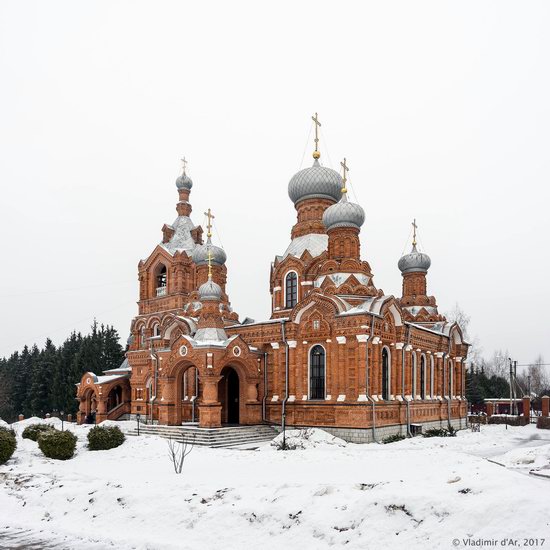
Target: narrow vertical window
(317,373)
(423,377)
(385,374)
(413,377)
(291,289)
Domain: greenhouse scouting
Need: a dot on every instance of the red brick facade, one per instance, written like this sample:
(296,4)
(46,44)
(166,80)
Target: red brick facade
(336,351)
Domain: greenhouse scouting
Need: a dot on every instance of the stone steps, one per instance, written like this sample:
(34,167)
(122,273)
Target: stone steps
(225,437)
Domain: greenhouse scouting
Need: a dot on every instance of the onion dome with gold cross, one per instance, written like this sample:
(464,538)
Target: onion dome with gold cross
(414,261)
(200,254)
(210,290)
(315,182)
(208,252)
(344,213)
(184,181)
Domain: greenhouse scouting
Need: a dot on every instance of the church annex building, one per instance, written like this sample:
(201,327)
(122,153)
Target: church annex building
(336,352)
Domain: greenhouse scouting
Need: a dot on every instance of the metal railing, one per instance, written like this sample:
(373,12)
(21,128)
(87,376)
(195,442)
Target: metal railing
(161,291)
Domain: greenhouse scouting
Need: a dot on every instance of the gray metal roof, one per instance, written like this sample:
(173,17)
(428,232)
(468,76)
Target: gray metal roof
(414,262)
(210,291)
(184,182)
(344,214)
(314,243)
(200,254)
(315,182)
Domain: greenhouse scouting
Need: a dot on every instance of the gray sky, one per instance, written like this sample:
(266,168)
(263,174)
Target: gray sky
(442,110)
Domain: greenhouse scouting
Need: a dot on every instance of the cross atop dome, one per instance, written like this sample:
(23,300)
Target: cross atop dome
(316,153)
(345,169)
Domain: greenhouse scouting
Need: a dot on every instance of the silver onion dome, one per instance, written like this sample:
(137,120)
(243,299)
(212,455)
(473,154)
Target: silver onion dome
(184,182)
(316,182)
(344,214)
(210,291)
(200,254)
(414,261)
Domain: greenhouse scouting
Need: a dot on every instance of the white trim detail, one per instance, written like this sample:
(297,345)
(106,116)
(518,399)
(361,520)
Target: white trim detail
(291,398)
(376,340)
(275,398)
(362,397)
(276,288)
(291,343)
(399,345)
(341,397)
(275,345)
(341,339)
(362,337)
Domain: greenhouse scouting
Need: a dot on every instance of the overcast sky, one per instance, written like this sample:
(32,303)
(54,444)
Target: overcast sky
(442,110)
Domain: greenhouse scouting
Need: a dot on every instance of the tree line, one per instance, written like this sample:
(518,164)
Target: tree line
(36,381)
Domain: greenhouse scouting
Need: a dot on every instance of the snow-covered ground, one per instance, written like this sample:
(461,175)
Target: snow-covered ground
(419,493)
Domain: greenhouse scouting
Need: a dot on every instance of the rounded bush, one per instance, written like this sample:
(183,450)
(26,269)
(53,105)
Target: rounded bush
(8,444)
(58,445)
(101,438)
(34,431)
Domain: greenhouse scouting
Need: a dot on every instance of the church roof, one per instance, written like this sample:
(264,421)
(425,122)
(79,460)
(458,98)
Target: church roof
(124,368)
(314,243)
(181,240)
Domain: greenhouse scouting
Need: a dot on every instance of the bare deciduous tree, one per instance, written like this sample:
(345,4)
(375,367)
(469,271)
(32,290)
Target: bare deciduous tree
(178,451)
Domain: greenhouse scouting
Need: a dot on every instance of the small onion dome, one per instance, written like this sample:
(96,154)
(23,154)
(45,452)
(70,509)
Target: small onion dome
(316,182)
(184,182)
(414,261)
(344,214)
(200,254)
(210,291)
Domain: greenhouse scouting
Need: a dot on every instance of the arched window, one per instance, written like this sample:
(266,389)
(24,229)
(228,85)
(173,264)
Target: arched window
(423,377)
(317,373)
(413,377)
(161,280)
(385,374)
(142,336)
(291,289)
(156,329)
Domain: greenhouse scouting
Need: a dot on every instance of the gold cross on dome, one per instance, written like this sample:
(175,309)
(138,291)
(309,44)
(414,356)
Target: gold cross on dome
(316,153)
(184,164)
(415,227)
(345,170)
(209,224)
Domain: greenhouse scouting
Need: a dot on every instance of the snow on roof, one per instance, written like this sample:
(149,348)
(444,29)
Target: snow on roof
(371,305)
(182,238)
(340,278)
(109,378)
(314,243)
(124,367)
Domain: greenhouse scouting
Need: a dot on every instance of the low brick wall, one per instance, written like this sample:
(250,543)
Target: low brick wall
(510,420)
(477,418)
(543,422)
(365,435)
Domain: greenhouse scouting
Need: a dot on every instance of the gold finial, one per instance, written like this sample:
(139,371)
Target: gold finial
(184,165)
(316,153)
(209,224)
(415,227)
(209,263)
(345,169)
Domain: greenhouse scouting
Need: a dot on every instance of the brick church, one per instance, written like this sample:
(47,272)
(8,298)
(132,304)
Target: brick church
(336,352)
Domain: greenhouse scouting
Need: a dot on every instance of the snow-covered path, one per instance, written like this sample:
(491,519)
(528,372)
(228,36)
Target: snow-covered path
(419,493)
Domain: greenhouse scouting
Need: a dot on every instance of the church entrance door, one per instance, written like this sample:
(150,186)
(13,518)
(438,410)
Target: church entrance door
(229,396)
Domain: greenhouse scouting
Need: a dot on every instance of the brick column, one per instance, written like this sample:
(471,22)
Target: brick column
(210,409)
(526,402)
(408,370)
(292,369)
(301,368)
(398,351)
(545,405)
(341,366)
(360,372)
(490,410)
